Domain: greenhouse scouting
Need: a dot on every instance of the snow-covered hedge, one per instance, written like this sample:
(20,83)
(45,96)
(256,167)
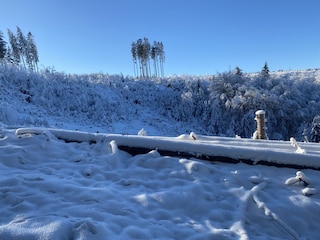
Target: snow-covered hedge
(217,105)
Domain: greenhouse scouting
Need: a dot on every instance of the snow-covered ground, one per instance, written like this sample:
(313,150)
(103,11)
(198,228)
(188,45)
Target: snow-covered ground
(53,187)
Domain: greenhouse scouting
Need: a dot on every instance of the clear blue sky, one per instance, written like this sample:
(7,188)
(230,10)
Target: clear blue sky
(199,36)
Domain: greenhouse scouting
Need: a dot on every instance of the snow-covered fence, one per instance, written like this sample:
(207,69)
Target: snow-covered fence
(209,148)
(261,126)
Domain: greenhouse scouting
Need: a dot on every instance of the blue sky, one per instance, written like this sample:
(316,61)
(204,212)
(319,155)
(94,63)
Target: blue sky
(199,36)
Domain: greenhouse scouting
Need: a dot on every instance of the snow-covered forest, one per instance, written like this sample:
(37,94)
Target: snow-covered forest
(20,51)
(223,104)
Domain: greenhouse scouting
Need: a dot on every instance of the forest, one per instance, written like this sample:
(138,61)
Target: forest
(223,104)
(141,52)
(20,51)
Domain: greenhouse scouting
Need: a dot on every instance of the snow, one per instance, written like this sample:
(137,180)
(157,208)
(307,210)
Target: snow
(51,189)
(64,177)
(260,112)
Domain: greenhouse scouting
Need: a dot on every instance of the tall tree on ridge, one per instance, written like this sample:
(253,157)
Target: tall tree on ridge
(238,71)
(265,70)
(22,46)
(142,50)
(162,57)
(32,53)
(134,58)
(154,57)
(140,56)
(146,54)
(14,48)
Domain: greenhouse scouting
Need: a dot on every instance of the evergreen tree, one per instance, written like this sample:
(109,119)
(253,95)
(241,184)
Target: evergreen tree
(238,71)
(134,58)
(143,51)
(32,53)
(146,56)
(2,47)
(140,56)
(315,132)
(9,56)
(15,53)
(265,70)
(22,46)
(153,55)
(162,57)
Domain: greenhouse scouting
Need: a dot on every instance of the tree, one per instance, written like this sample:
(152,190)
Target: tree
(134,58)
(15,53)
(153,54)
(140,56)
(315,132)
(265,70)
(146,56)
(162,57)
(9,56)
(22,46)
(32,53)
(238,71)
(142,50)
(2,47)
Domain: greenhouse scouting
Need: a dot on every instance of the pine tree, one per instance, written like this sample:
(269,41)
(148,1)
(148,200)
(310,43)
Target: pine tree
(315,132)
(162,57)
(143,51)
(265,70)
(9,56)
(238,71)
(2,47)
(146,56)
(153,55)
(32,53)
(15,53)
(22,45)
(134,58)
(140,56)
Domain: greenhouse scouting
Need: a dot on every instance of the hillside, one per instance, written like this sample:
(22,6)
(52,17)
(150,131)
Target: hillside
(221,105)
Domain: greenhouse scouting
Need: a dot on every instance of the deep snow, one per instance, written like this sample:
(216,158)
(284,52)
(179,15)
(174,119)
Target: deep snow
(51,189)
(56,189)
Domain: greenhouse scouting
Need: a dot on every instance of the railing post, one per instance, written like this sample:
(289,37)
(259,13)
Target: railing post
(261,126)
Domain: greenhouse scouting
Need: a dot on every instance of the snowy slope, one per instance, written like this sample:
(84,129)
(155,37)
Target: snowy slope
(51,189)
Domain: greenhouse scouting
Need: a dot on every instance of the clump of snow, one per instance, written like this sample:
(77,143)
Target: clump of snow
(302,179)
(260,112)
(142,132)
(296,145)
